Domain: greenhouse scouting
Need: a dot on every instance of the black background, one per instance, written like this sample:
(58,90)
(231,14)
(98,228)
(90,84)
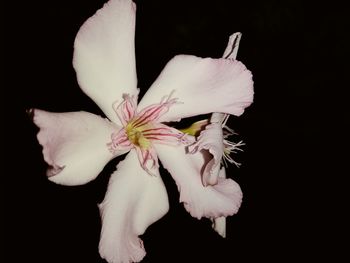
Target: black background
(293,50)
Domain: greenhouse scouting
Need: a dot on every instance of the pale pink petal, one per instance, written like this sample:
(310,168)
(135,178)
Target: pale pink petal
(74,145)
(162,134)
(134,201)
(104,55)
(210,139)
(212,201)
(202,86)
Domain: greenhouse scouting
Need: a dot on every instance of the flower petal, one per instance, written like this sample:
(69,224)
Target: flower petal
(210,139)
(134,201)
(202,86)
(104,55)
(74,145)
(212,201)
(148,159)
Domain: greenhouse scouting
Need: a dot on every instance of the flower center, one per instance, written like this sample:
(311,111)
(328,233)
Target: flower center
(142,129)
(135,135)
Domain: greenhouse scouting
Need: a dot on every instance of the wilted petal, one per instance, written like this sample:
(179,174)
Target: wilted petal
(134,201)
(210,139)
(202,86)
(74,145)
(104,55)
(210,201)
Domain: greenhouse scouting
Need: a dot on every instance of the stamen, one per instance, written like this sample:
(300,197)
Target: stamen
(229,148)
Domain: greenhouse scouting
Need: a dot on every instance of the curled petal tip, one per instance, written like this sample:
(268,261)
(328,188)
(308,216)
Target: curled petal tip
(30,113)
(54,170)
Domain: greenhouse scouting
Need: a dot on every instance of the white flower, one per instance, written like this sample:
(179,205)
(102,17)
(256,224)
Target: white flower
(77,145)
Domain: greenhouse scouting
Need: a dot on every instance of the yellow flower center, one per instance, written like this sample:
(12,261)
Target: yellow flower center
(135,135)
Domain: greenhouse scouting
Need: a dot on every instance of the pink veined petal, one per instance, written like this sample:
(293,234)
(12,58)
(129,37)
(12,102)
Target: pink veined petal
(119,141)
(212,201)
(154,111)
(163,134)
(148,159)
(202,86)
(134,200)
(104,55)
(159,134)
(74,145)
(210,139)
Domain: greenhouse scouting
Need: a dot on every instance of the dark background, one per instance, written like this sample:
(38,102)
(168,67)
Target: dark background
(293,50)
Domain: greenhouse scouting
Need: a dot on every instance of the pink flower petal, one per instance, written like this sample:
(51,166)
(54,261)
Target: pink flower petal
(148,159)
(126,110)
(202,86)
(104,55)
(74,145)
(212,201)
(134,201)
(210,139)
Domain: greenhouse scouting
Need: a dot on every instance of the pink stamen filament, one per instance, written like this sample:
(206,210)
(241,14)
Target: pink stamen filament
(142,120)
(149,135)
